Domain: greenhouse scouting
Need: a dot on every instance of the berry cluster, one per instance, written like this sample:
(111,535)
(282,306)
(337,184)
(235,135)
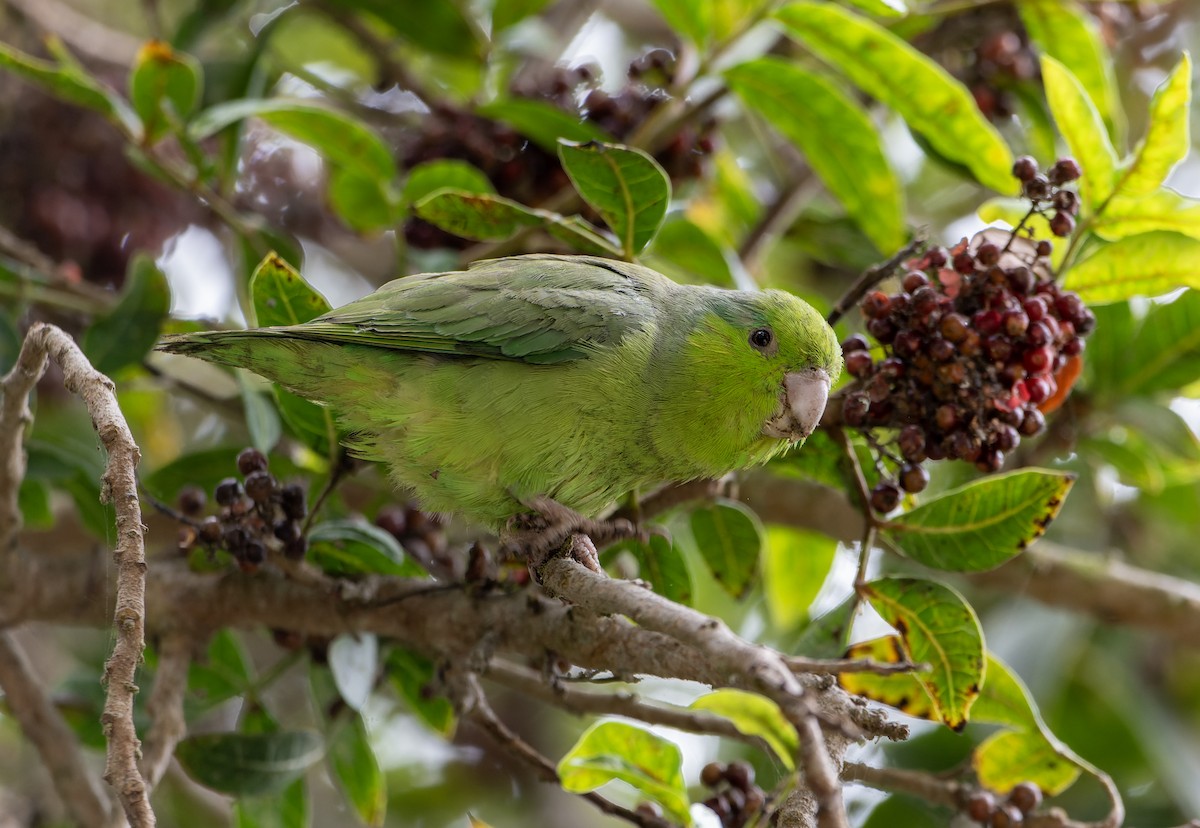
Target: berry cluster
(738,798)
(525,172)
(421,535)
(254,514)
(974,346)
(1022,800)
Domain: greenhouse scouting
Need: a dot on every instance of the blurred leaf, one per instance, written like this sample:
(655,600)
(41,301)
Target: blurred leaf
(1066,32)
(881,8)
(164,85)
(65,80)
(33,501)
(262,418)
(795,565)
(363,202)
(10,341)
(494,218)
(1083,130)
(827,635)
(937,627)
(624,184)
(899,810)
(686,252)
(982,524)
(929,99)
(838,140)
(1163,209)
(354,661)
(902,691)
(357,771)
(1028,752)
(199,19)
(1167,138)
(441,28)
(342,140)
(661,563)
(444,174)
(1149,264)
(249,764)
(128,332)
(1158,353)
(730,538)
(411,674)
(755,715)
(688,17)
(506,13)
(355,547)
(542,122)
(615,750)
(288,810)
(223,673)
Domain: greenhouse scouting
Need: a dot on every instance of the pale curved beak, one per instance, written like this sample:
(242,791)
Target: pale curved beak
(804,396)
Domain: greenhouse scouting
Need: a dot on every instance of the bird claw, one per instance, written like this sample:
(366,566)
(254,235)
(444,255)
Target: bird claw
(553,529)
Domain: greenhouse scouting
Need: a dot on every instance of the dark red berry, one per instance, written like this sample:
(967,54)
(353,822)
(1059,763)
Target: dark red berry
(1026,797)
(1073,346)
(1038,360)
(964,263)
(859,363)
(1062,224)
(192,500)
(260,485)
(936,257)
(1037,187)
(878,388)
(1065,170)
(1033,423)
(651,810)
(294,550)
(228,491)
(855,342)
(885,496)
(250,460)
(942,349)
(286,530)
(998,347)
(253,552)
(914,280)
(876,304)
(980,806)
(292,499)
(1039,333)
(912,443)
(906,343)
(854,409)
(987,322)
(990,460)
(210,529)
(1006,816)
(954,327)
(1005,437)
(740,775)
(1066,201)
(719,805)
(882,329)
(1045,248)
(946,417)
(988,254)
(1021,280)
(913,478)
(712,774)
(892,368)
(1025,168)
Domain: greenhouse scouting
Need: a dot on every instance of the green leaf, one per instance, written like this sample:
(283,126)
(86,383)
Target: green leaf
(616,750)
(730,538)
(365,203)
(66,81)
(411,674)
(165,85)
(1167,138)
(342,140)
(755,715)
(899,809)
(837,138)
(982,524)
(903,691)
(249,764)
(881,8)
(795,565)
(494,218)
(1160,353)
(686,252)
(33,501)
(224,672)
(827,635)
(929,99)
(1028,752)
(1150,264)
(662,564)
(542,122)
(354,661)
(355,547)
(506,13)
(262,418)
(1083,130)
(444,174)
(357,771)
(288,810)
(625,185)
(1163,209)
(440,28)
(1065,31)
(128,332)
(689,18)
(939,628)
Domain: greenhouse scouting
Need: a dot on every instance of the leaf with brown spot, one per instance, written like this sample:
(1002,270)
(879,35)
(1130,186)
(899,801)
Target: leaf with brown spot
(902,691)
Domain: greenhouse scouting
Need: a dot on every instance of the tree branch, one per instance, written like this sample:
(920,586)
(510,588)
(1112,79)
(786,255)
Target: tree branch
(119,487)
(165,706)
(46,730)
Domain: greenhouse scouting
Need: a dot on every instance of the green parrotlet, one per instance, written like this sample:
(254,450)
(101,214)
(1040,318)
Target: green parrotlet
(573,379)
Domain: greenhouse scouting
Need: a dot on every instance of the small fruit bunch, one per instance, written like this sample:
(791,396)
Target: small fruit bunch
(254,514)
(735,797)
(1022,800)
(973,350)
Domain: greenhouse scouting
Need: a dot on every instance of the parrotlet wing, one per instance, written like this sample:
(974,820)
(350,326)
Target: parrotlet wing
(539,309)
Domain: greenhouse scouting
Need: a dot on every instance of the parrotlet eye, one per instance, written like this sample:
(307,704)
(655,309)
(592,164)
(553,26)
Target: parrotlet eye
(761,338)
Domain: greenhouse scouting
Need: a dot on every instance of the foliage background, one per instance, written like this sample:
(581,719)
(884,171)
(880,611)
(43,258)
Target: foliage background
(85,211)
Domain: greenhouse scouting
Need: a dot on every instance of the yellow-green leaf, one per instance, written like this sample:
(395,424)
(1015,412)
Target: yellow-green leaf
(937,627)
(729,537)
(164,84)
(902,691)
(1164,209)
(1083,129)
(982,524)
(1167,137)
(755,715)
(357,771)
(1147,265)
(886,67)
(1066,32)
(837,138)
(795,564)
(616,750)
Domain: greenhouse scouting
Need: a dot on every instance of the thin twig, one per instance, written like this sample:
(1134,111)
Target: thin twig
(46,730)
(872,276)
(779,215)
(119,487)
(391,71)
(165,706)
(834,666)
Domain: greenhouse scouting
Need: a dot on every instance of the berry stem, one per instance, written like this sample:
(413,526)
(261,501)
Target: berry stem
(872,523)
(873,276)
